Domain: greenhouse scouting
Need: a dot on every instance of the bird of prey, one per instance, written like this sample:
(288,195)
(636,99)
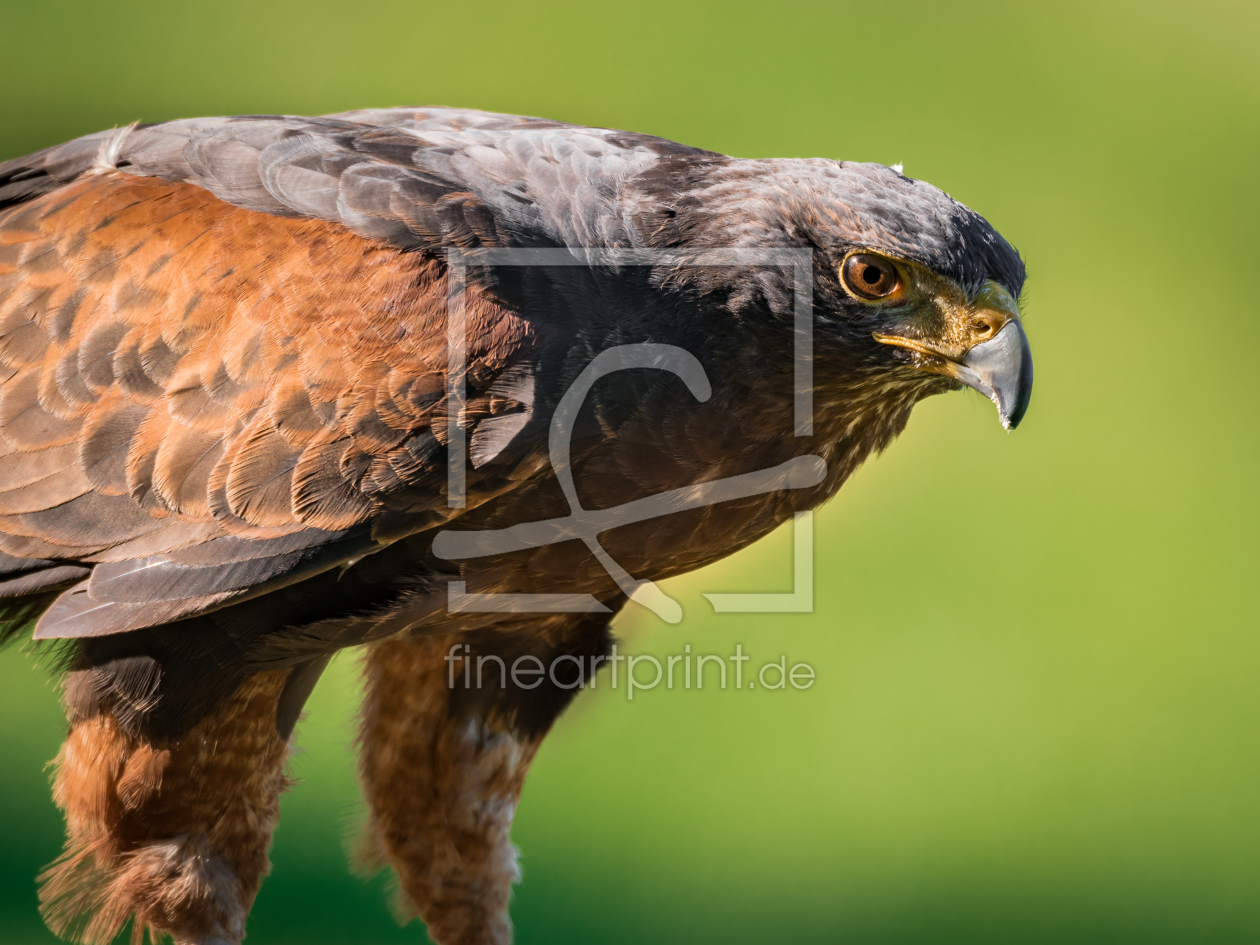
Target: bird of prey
(260,375)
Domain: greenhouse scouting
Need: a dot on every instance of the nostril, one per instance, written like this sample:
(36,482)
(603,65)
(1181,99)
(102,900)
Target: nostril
(982,328)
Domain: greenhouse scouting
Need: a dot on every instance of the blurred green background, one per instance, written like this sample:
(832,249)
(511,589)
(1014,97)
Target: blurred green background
(1037,716)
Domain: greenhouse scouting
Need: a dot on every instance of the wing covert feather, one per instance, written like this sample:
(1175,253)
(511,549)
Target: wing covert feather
(180,373)
(417,178)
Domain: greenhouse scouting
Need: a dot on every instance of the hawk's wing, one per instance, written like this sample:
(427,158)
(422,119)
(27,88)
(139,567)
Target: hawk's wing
(223,343)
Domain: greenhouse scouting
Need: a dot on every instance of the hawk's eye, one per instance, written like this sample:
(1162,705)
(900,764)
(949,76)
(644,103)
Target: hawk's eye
(870,277)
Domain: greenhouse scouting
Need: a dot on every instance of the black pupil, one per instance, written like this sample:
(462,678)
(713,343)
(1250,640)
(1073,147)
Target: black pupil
(872,275)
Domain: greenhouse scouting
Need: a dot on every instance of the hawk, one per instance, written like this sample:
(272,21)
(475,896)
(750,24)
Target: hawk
(259,376)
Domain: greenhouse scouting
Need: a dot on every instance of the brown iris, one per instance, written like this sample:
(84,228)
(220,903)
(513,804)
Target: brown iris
(870,277)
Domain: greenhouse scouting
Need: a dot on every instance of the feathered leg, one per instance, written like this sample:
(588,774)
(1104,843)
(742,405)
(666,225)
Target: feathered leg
(173,833)
(444,758)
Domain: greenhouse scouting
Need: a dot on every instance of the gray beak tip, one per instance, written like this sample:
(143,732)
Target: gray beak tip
(1002,369)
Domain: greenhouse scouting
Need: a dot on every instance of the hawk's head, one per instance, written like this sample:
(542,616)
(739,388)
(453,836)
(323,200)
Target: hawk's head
(919,288)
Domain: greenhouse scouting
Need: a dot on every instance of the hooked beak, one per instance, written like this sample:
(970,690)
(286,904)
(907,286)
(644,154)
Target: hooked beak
(1000,367)
(1002,370)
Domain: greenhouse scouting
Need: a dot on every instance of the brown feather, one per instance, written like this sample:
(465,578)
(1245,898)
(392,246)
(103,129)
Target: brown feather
(96,354)
(322,496)
(50,395)
(129,370)
(82,520)
(21,469)
(24,423)
(60,486)
(70,383)
(106,443)
(182,467)
(24,343)
(291,414)
(259,483)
